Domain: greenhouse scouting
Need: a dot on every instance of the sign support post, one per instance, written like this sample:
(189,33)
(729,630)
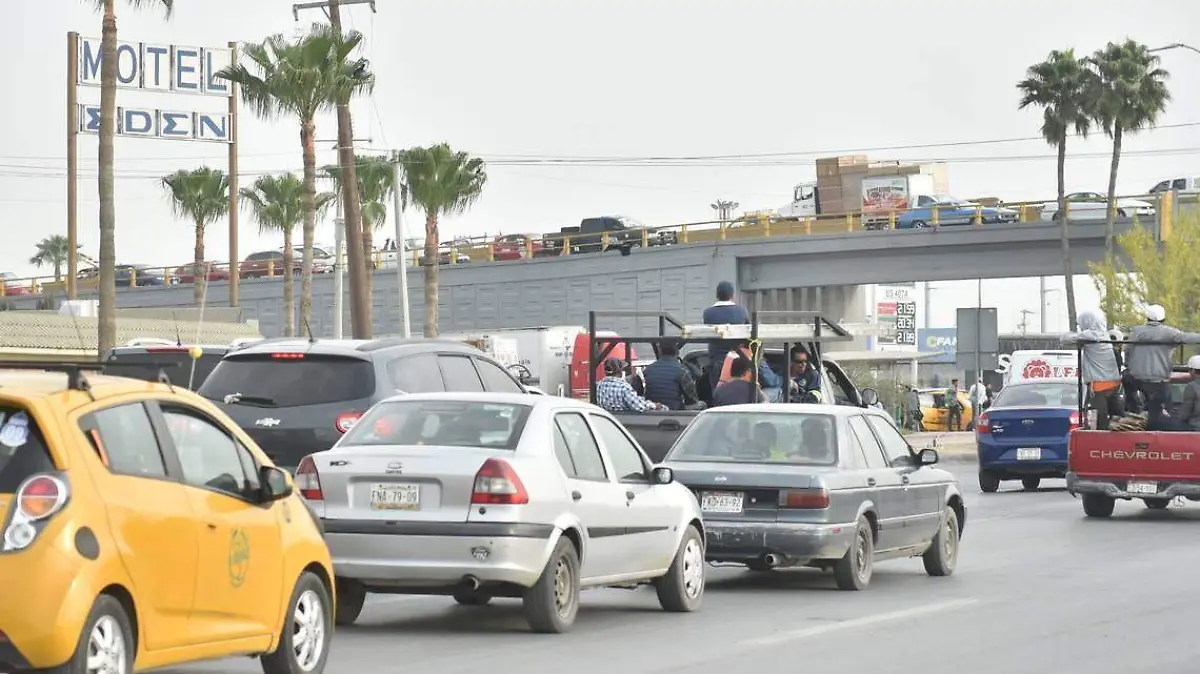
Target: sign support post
(72,163)
(234,268)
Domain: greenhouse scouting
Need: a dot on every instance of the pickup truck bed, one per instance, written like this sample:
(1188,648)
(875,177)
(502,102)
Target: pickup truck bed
(1153,466)
(656,431)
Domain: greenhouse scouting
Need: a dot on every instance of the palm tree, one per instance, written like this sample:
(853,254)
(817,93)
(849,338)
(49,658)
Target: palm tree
(440,182)
(375,187)
(1061,86)
(52,251)
(107,331)
(300,78)
(277,203)
(1131,93)
(203,195)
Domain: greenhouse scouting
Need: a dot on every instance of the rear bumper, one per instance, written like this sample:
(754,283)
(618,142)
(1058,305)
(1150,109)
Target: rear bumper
(1117,488)
(1003,459)
(44,607)
(434,556)
(740,542)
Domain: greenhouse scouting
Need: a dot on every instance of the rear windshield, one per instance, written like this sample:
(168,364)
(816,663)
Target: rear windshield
(177,366)
(22,448)
(762,437)
(446,423)
(1038,394)
(290,379)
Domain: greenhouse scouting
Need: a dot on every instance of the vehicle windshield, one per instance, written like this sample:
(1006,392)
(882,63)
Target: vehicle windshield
(759,437)
(1038,394)
(631,223)
(444,423)
(176,364)
(22,448)
(289,379)
(947,200)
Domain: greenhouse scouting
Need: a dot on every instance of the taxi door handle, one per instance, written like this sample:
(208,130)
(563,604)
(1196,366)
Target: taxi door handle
(871,482)
(904,481)
(629,495)
(575,496)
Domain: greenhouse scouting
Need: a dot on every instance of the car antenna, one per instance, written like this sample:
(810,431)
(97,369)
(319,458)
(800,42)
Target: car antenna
(75,379)
(178,336)
(196,350)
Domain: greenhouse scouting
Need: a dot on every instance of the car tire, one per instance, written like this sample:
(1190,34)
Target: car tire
(919,224)
(1031,483)
(1157,503)
(472,597)
(309,618)
(681,590)
(108,623)
(553,602)
(942,556)
(1098,505)
(853,571)
(989,482)
(351,595)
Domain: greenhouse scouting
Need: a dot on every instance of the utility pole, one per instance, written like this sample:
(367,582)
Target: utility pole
(401,252)
(360,303)
(1024,325)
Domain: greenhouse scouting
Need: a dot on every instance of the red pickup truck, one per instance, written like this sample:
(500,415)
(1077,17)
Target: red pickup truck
(1154,466)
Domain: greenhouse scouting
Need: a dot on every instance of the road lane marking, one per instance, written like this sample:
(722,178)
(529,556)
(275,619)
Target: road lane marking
(855,623)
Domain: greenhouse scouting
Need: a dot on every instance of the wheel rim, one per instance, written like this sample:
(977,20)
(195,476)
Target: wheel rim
(106,653)
(862,555)
(693,569)
(308,631)
(564,586)
(950,538)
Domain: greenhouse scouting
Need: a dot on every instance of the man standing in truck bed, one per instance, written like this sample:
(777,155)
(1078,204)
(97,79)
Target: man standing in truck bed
(723,312)
(1150,364)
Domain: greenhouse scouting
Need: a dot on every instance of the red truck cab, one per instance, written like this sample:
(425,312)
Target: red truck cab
(1154,466)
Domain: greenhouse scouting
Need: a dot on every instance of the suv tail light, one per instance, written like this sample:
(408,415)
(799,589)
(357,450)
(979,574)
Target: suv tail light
(37,500)
(287,356)
(346,421)
(497,483)
(804,499)
(308,483)
(1074,420)
(982,424)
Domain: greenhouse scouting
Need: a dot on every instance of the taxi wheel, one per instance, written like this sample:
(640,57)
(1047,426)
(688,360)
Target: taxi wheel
(303,647)
(682,589)
(106,645)
(553,601)
(351,596)
(853,571)
(942,556)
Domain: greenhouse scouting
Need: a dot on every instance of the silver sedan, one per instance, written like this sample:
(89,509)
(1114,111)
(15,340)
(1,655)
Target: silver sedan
(482,495)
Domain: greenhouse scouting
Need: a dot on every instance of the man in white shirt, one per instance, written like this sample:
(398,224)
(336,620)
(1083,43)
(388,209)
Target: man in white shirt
(977,394)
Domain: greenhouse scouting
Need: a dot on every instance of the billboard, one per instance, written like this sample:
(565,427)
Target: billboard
(943,341)
(155,123)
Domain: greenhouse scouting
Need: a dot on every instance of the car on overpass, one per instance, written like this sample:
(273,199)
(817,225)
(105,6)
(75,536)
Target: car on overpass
(951,212)
(1093,205)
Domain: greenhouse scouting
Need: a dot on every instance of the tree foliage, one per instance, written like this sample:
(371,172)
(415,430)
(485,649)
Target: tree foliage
(1152,272)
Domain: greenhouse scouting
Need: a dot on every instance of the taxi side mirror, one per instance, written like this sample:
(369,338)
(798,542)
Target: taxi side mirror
(276,483)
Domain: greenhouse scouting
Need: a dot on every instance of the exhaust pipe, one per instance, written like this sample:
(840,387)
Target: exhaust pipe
(471,583)
(771,559)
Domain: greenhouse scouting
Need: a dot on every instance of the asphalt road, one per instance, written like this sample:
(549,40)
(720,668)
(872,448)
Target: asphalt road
(1038,589)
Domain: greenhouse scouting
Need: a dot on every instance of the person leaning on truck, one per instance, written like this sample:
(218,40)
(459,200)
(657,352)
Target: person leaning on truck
(615,394)
(1150,364)
(1099,367)
(741,389)
(668,382)
(723,312)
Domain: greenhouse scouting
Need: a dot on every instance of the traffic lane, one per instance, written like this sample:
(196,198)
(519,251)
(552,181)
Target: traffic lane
(1017,548)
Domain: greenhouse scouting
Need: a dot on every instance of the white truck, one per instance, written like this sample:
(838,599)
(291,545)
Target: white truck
(541,356)
(875,190)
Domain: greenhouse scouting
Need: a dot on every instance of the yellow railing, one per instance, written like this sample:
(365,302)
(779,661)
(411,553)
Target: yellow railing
(484,248)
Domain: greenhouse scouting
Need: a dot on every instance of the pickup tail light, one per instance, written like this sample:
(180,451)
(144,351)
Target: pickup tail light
(804,499)
(308,482)
(983,424)
(1074,420)
(346,421)
(497,483)
(38,499)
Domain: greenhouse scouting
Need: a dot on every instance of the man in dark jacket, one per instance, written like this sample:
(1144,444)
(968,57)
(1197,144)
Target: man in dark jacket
(723,312)
(668,382)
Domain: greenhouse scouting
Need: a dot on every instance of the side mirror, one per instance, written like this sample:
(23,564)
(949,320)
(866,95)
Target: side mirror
(276,483)
(869,396)
(662,475)
(927,457)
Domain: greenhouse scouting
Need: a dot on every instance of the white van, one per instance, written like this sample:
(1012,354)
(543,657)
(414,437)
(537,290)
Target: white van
(1023,365)
(1189,185)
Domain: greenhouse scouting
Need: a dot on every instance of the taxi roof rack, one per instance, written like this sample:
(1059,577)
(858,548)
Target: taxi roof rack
(76,381)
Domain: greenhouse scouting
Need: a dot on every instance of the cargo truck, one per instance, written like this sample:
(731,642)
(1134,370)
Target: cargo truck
(853,184)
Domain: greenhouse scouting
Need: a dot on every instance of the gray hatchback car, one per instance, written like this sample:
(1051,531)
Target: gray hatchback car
(295,397)
(826,486)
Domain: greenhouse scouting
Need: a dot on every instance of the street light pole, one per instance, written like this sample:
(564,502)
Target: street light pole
(1176,45)
(401,254)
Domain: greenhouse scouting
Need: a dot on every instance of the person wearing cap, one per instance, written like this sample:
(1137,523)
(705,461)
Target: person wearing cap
(1099,367)
(615,394)
(723,312)
(1187,415)
(1150,363)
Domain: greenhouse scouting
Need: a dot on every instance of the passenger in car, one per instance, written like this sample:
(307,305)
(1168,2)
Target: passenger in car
(816,442)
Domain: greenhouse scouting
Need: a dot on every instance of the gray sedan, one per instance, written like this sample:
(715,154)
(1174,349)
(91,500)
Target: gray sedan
(826,486)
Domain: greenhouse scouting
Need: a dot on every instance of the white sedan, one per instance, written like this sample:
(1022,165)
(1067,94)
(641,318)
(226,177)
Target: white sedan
(482,495)
(1093,205)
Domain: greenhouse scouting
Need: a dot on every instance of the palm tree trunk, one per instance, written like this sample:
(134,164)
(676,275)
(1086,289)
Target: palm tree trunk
(431,273)
(308,203)
(1068,272)
(57,272)
(1111,207)
(289,284)
(107,333)
(200,274)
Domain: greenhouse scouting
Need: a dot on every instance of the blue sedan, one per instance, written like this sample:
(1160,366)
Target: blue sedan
(1023,435)
(950,212)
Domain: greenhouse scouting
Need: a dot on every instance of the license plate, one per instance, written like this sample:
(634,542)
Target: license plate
(1142,488)
(395,497)
(721,502)
(1029,454)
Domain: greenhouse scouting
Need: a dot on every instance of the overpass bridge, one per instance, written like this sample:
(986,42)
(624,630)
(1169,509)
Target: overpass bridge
(794,272)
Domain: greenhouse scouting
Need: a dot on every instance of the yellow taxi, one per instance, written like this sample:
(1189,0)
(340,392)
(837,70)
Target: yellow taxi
(934,414)
(140,528)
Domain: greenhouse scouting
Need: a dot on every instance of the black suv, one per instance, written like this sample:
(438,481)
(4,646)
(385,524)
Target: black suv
(295,397)
(174,360)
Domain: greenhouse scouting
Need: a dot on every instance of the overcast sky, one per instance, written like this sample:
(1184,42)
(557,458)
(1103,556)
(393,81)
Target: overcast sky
(587,78)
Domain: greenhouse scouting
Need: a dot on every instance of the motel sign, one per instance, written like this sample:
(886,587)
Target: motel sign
(168,124)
